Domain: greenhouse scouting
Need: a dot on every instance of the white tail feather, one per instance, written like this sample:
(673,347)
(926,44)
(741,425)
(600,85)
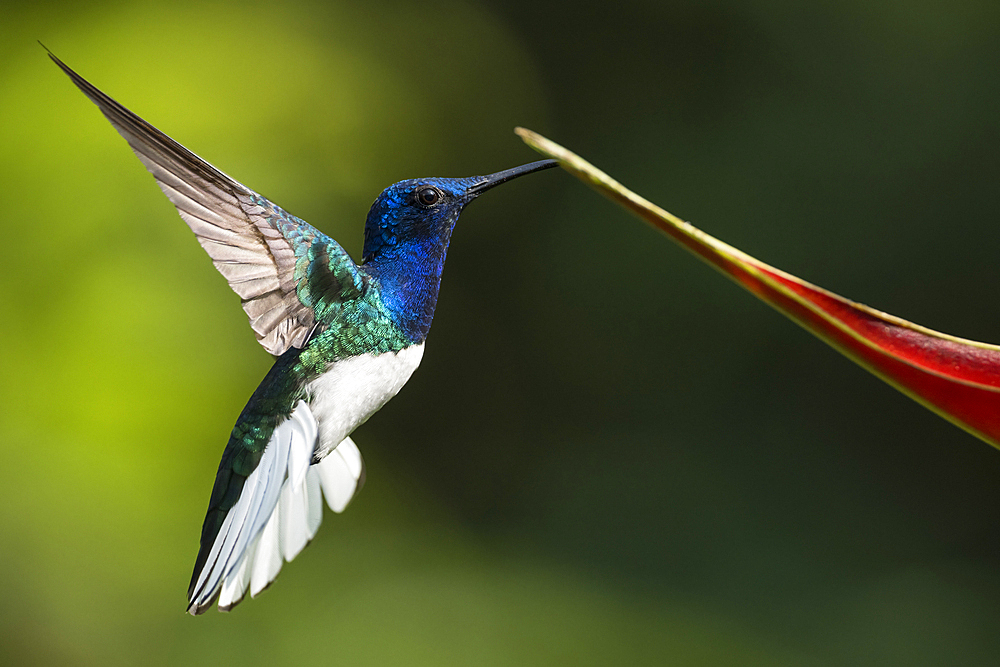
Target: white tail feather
(340,474)
(234,588)
(265,556)
(294,527)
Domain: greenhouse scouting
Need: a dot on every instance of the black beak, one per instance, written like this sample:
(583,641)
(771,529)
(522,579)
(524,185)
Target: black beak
(493,180)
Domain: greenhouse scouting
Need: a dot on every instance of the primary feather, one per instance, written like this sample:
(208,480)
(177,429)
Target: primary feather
(253,243)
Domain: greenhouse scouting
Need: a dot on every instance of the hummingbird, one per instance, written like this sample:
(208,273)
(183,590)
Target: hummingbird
(346,337)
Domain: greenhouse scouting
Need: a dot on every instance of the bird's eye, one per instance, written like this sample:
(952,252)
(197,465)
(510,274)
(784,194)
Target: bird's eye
(428,196)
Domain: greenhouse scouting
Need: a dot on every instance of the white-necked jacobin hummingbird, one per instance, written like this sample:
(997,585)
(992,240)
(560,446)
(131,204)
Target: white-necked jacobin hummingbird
(346,336)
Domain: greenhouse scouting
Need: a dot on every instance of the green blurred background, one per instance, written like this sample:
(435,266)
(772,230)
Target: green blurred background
(611,455)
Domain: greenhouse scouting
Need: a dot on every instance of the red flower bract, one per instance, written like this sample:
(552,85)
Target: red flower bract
(958,379)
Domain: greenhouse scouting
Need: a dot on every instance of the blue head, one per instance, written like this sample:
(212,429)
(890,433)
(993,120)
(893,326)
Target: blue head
(407,235)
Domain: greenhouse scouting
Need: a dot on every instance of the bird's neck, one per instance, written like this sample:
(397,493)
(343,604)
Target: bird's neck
(409,276)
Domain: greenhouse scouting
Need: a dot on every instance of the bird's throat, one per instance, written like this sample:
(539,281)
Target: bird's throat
(409,276)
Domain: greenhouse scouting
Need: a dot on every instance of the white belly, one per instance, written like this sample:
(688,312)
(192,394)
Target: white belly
(352,390)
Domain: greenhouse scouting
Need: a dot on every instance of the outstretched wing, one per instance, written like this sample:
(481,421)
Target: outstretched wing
(261,250)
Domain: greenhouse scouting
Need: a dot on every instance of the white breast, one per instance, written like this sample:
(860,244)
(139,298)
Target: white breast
(354,389)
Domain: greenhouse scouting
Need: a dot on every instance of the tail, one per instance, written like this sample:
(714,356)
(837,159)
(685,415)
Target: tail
(277,513)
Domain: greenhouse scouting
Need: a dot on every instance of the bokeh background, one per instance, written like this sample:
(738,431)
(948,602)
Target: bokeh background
(611,455)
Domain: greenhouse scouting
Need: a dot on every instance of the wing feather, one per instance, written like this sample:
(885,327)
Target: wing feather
(253,243)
